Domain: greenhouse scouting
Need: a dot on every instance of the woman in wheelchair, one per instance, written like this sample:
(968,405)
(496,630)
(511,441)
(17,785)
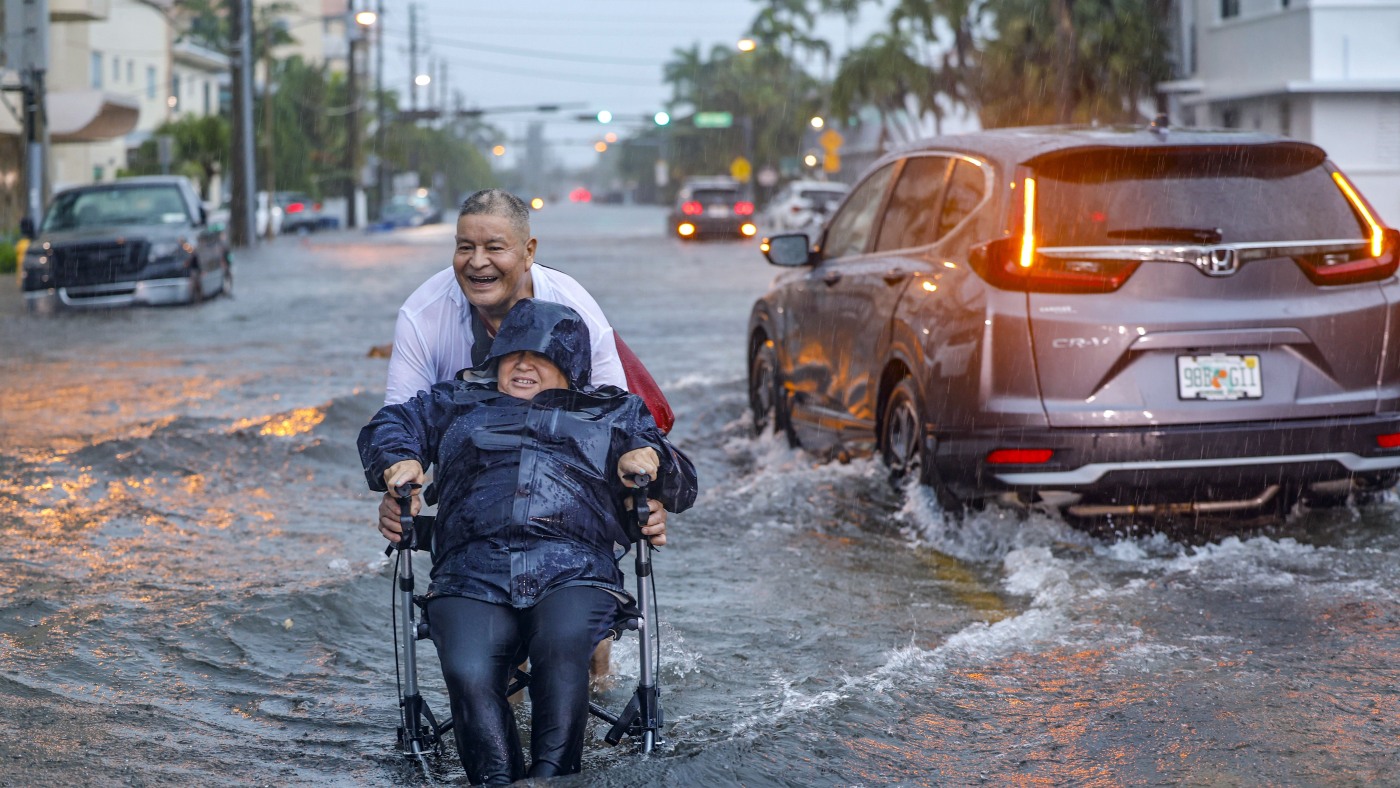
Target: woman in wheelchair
(532,470)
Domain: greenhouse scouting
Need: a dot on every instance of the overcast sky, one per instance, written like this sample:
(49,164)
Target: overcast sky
(593,54)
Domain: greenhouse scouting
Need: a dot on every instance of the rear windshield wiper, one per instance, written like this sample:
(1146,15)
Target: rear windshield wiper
(1200,235)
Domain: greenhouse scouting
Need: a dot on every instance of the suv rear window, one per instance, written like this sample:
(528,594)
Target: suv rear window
(714,196)
(1113,197)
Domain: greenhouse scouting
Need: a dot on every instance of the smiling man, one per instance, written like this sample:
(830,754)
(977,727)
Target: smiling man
(447,324)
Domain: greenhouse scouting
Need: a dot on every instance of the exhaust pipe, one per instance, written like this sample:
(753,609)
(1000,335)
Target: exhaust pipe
(1189,507)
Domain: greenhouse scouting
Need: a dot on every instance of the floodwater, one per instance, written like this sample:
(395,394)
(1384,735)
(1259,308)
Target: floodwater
(194,594)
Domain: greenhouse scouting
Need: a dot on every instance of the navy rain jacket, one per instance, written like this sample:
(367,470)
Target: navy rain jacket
(528,495)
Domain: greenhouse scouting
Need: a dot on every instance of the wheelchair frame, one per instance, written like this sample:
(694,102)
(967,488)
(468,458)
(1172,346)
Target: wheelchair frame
(419,732)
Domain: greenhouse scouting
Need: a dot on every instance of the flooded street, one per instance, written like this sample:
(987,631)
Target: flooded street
(194,593)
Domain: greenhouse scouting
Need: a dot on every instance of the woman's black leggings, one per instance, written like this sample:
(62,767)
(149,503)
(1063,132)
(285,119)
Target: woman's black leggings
(479,645)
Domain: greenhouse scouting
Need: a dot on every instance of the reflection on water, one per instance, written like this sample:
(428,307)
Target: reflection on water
(194,593)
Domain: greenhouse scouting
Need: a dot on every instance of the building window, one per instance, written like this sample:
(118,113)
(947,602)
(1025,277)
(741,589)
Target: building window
(1229,9)
(97,69)
(1284,3)
(131,72)
(150,81)
(1230,117)
(116,69)
(174,91)
(97,173)
(1285,118)
(208,98)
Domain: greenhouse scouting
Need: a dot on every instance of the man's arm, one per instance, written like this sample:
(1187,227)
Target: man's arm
(559,287)
(411,366)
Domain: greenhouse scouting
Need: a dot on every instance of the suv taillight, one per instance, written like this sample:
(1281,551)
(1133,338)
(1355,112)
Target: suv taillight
(692,208)
(1376,260)
(1015,264)
(743,208)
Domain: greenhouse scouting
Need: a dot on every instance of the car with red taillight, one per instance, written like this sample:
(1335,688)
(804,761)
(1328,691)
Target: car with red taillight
(1114,321)
(302,214)
(711,207)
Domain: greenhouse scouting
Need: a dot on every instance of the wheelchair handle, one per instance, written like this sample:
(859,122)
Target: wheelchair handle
(640,510)
(404,494)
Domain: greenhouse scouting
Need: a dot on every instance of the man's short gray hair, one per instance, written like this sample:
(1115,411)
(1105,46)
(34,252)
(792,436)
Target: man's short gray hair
(499,202)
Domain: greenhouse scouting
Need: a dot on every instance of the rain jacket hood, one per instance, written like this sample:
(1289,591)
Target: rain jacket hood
(553,330)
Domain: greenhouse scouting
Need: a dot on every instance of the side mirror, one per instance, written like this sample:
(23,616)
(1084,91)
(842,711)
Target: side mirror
(790,249)
(26,227)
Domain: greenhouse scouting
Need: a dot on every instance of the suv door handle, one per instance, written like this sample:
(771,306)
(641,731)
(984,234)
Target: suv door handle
(894,276)
(832,277)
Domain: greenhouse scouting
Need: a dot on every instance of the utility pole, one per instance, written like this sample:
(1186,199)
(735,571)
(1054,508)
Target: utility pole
(352,134)
(269,146)
(26,48)
(413,56)
(243,221)
(382,175)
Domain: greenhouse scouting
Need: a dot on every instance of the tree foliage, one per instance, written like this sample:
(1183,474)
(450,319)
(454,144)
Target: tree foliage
(1071,61)
(769,95)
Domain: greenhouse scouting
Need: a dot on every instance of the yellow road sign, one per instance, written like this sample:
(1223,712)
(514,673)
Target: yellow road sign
(830,140)
(741,170)
(831,162)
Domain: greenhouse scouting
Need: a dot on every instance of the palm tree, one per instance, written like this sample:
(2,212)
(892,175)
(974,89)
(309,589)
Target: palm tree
(1061,61)
(883,74)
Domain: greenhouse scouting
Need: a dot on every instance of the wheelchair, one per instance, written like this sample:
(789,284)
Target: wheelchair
(420,734)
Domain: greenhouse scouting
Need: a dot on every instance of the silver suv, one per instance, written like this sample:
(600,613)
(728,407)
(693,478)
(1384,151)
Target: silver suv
(1115,321)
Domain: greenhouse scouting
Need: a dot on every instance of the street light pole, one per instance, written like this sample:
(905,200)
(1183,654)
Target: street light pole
(352,134)
(381,174)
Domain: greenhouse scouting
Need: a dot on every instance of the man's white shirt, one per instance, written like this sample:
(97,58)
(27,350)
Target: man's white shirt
(433,335)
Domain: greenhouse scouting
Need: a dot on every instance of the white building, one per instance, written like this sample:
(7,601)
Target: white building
(1324,71)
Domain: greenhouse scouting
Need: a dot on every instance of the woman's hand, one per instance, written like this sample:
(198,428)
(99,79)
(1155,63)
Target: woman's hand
(400,473)
(638,461)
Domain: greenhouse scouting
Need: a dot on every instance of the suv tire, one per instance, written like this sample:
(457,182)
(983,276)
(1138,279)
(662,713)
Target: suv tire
(766,399)
(904,449)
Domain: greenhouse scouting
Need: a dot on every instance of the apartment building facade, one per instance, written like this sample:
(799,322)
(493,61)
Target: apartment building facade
(1324,71)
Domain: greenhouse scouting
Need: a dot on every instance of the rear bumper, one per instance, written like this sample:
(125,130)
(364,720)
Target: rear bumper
(1240,455)
(709,226)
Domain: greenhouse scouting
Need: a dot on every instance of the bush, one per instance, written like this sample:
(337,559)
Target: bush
(8,260)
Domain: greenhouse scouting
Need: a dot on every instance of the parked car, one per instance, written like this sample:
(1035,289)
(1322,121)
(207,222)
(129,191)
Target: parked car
(804,205)
(408,211)
(1118,322)
(301,214)
(267,210)
(132,241)
(711,207)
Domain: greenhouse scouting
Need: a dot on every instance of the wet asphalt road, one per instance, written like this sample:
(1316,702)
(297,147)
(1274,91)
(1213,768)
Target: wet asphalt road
(193,592)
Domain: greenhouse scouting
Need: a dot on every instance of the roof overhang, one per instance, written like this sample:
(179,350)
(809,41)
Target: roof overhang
(90,115)
(1195,92)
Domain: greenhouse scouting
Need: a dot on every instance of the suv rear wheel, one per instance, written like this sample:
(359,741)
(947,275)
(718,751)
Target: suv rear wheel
(903,447)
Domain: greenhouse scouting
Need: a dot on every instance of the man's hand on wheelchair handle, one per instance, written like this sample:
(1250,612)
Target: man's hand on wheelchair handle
(402,472)
(655,529)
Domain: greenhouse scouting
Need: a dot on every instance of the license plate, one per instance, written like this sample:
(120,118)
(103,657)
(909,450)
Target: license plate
(718,210)
(1219,376)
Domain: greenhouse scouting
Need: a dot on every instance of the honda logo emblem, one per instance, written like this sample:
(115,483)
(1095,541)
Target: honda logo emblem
(1220,261)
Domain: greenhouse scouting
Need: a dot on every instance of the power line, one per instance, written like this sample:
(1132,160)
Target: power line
(534,53)
(499,69)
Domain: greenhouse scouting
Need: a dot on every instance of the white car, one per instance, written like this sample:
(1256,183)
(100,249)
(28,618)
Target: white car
(804,205)
(261,216)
